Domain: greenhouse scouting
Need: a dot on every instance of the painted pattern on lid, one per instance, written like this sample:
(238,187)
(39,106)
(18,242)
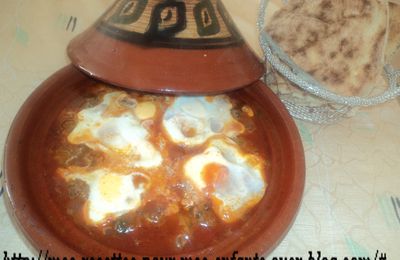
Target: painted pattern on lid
(175,24)
(189,47)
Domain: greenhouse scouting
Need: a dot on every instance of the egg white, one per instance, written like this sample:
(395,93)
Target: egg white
(121,133)
(204,117)
(244,187)
(111,194)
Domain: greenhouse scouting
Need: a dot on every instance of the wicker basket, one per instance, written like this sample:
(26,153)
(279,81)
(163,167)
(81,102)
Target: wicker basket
(304,97)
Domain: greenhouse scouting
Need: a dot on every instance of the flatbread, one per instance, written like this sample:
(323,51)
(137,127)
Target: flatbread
(393,43)
(339,42)
(246,18)
(273,7)
(394,1)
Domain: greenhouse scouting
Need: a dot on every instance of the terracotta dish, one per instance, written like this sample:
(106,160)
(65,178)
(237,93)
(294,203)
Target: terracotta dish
(155,164)
(29,198)
(189,47)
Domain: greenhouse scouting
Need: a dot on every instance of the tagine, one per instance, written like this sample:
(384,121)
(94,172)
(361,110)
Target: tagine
(161,140)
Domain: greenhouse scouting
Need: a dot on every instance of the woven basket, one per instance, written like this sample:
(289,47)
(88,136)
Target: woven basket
(303,96)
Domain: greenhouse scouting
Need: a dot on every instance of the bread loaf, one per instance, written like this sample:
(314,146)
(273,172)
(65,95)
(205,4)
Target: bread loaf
(339,42)
(393,43)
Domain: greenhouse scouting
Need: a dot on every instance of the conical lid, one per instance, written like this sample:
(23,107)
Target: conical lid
(167,46)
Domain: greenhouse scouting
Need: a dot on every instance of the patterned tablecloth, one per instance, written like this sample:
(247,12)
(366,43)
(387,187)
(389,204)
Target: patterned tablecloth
(351,203)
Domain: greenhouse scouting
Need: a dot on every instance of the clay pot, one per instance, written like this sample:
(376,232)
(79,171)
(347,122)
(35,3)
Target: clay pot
(189,47)
(46,226)
(174,47)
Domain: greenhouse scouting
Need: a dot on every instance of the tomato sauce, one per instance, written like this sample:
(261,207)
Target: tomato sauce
(174,217)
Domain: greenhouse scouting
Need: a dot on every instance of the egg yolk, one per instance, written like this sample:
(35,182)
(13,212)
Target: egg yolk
(145,110)
(214,175)
(109,186)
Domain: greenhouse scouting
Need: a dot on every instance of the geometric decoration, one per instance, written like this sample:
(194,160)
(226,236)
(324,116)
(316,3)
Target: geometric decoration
(179,24)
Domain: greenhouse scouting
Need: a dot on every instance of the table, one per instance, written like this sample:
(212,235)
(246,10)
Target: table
(351,203)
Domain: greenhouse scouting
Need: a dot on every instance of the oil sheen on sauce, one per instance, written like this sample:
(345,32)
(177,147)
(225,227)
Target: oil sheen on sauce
(158,208)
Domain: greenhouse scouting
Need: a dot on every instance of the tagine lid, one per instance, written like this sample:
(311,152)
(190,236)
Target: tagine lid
(167,46)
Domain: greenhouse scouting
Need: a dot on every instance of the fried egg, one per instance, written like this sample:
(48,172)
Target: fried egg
(114,126)
(110,194)
(231,179)
(191,121)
